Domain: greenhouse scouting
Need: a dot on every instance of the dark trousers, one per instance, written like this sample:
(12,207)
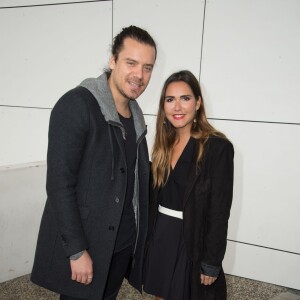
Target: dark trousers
(118,269)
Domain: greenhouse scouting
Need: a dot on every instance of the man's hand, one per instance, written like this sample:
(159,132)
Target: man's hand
(82,269)
(207,280)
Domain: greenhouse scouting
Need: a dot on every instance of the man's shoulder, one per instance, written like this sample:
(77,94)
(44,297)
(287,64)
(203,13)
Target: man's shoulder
(78,93)
(75,98)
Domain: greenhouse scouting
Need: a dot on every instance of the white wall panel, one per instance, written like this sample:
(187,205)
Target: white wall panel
(262,264)
(47,50)
(24,135)
(23,196)
(251,59)
(266,200)
(177,30)
(151,128)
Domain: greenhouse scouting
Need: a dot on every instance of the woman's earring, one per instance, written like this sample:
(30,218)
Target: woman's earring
(195,119)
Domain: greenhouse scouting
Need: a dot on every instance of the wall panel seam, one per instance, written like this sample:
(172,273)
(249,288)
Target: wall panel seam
(52,4)
(30,107)
(202,38)
(265,247)
(239,120)
(255,121)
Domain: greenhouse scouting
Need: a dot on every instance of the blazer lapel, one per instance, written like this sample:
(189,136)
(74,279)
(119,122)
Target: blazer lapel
(191,179)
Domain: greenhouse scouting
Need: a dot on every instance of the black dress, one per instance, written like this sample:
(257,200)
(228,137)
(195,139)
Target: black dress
(166,272)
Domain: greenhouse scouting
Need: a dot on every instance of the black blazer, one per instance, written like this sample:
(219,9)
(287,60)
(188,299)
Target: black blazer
(206,210)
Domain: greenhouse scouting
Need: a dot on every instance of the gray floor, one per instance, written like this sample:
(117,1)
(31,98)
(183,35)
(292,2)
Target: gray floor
(238,289)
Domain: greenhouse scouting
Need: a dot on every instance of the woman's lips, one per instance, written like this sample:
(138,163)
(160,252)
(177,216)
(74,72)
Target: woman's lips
(178,117)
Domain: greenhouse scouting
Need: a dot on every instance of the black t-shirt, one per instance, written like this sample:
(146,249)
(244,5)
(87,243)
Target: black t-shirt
(127,229)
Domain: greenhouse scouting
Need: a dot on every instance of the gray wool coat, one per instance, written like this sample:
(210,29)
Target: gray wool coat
(86,186)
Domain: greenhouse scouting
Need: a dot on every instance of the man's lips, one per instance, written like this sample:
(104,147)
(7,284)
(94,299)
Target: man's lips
(134,84)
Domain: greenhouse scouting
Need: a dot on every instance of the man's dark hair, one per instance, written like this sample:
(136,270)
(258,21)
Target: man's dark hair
(135,33)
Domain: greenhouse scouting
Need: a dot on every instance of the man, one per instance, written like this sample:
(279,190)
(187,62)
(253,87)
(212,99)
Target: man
(94,224)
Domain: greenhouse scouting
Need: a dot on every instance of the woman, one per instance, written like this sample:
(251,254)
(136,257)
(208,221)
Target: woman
(192,173)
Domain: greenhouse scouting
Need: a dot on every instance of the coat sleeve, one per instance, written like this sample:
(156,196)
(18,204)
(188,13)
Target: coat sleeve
(68,128)
(218,206)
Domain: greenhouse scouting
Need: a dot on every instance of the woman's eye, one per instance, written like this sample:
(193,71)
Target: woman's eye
(186,98)
(169,99)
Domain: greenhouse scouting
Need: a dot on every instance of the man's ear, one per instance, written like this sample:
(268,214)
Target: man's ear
(112,62)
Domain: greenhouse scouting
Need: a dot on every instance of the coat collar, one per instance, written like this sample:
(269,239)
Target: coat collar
(100,89)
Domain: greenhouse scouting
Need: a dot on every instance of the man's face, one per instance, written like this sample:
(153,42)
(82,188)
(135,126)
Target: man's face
(132,71)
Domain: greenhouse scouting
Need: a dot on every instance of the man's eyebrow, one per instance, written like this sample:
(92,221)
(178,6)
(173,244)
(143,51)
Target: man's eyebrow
(130,59)
(133,60)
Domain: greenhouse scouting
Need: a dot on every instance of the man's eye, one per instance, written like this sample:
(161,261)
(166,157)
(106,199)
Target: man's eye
(148,68)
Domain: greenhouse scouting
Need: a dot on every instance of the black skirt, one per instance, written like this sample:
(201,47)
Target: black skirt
(166,272)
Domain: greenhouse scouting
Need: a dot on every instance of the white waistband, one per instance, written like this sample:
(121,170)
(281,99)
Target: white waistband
(170,212)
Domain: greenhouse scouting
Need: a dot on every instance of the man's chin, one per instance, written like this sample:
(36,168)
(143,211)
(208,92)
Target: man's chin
(134,95)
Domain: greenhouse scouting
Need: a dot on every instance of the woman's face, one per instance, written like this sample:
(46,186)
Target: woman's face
(180,106)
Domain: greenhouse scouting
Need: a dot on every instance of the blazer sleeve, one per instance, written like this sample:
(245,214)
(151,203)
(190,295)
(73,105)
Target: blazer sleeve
(218,206)
(68,129)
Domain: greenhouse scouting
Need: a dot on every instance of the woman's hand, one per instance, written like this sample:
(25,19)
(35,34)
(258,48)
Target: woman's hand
(207,280)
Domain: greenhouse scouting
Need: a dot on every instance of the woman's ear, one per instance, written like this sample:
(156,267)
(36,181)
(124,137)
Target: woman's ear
(198,103)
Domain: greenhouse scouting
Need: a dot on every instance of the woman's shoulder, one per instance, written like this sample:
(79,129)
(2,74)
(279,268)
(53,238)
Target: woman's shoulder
(218,140)
(219,144)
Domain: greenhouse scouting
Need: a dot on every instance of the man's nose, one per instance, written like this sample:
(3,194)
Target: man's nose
(138,72)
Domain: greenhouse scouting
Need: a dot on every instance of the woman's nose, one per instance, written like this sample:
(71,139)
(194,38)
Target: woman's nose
(177,105)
